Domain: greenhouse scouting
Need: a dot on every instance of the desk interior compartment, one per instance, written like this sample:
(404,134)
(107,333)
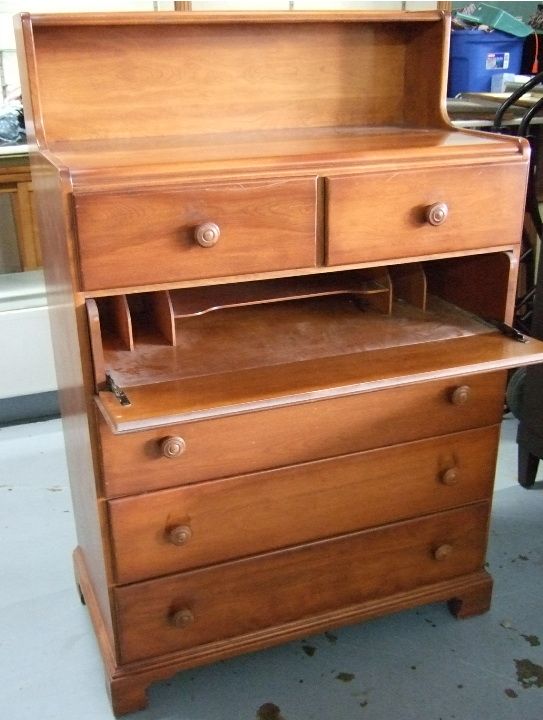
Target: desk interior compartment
(204,352)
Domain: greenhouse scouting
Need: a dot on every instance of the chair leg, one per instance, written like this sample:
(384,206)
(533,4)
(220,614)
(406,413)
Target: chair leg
(527,467)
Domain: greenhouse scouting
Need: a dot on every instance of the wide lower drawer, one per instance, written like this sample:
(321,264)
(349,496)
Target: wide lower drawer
(173,530)
(159,236)
(230,445)
(244,596)
(380,216)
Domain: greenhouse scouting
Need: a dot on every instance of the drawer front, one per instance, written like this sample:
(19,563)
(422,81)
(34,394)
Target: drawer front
(382,216)
(226,446)
(245,596)
(154,236)
(196,525)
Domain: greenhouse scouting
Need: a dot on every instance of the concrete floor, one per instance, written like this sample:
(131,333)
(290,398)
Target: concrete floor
(415,665)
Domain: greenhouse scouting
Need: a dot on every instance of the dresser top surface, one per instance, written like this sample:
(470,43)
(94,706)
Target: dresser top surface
(128,161)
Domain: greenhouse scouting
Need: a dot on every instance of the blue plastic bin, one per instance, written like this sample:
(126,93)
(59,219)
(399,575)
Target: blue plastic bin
(477,55)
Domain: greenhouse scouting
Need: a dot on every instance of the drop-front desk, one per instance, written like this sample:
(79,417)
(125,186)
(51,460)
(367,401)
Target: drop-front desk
(274,270)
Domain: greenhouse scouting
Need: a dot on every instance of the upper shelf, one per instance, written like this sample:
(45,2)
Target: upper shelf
(232,73)
(239,94)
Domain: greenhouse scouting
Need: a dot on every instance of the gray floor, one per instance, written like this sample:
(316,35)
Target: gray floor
(416,665)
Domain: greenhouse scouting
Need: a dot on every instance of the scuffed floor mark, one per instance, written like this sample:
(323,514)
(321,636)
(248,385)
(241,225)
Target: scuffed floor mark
(510,693)
(269,711)
(330,637)
(532,639)
(529,674)
(309,650)
(345,677)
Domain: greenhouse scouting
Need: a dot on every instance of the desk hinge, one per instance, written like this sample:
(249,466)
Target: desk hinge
(507,330)
(117,391)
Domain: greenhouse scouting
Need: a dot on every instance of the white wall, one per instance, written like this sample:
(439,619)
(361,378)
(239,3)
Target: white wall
(312,5)
(26,360)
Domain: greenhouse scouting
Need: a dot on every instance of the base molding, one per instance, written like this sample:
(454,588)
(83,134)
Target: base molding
(127,684)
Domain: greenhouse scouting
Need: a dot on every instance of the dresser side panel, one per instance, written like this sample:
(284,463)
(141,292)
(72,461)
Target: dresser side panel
(74,375)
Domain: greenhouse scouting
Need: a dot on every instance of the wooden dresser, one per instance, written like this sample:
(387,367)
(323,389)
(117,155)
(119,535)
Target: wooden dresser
(268,254)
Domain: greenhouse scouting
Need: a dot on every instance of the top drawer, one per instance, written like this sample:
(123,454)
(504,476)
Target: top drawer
(198,231)
(414,213)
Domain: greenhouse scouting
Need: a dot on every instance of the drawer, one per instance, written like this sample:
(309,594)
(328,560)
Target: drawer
(231,445)
(383,216)
(173,530)
(245,596)
(158,236)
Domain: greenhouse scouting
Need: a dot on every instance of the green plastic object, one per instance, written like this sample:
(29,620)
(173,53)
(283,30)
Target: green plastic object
(484,14)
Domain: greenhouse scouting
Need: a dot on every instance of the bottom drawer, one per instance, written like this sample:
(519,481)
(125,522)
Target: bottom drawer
(193,608)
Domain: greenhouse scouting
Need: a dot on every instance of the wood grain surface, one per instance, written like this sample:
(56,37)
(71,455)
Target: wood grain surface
(247,595)
(375,217)
(147,237)
(268,77)
(224,446)
(260,388)
(250,514)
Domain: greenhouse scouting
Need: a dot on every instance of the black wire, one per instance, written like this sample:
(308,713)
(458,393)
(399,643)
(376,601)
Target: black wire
(519,92)
(528,117)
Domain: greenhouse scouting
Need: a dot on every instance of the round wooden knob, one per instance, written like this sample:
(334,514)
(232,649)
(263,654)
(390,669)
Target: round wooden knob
(442,552)
(449,476)
(436,214)
(172,447)
(207,234)
(460,395)
(182,618)
(180,535)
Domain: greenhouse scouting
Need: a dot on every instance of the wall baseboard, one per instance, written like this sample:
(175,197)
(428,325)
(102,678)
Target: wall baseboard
(29,408)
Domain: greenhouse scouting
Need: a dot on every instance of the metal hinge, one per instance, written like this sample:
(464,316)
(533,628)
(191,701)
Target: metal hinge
(117,391)
(507,330)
